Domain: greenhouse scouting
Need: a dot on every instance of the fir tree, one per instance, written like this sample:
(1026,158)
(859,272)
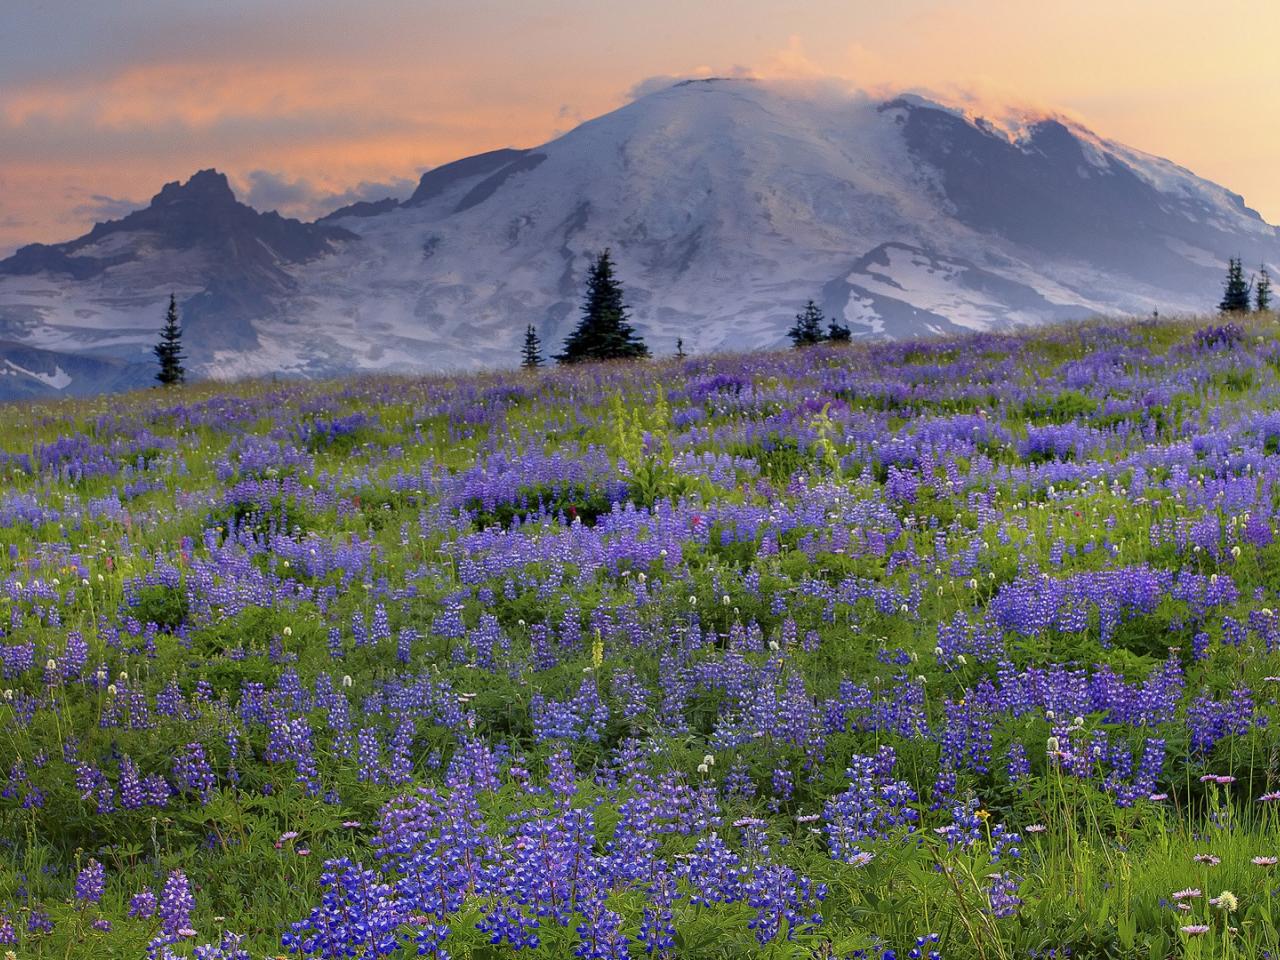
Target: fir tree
(169,350)
(531,354)
(1262,291)
(807,329)
(838,332)
(1235,292)
(604,332)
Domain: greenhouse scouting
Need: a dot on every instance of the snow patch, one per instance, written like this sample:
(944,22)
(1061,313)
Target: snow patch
(59,379)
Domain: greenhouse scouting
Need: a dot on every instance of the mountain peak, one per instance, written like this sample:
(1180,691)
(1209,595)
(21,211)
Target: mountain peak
(206,187)
(696,80)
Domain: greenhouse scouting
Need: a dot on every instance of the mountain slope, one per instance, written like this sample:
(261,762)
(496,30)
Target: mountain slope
(727,203)
(32,373)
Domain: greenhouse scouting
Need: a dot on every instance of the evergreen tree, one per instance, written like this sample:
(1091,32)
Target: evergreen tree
(1262,290)
(169,350)
(680,348)
(1235,292)
(807,329)
(838,333)
(531,354)
(604,332)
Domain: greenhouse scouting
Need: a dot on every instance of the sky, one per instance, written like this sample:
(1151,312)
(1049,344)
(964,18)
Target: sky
(310,104)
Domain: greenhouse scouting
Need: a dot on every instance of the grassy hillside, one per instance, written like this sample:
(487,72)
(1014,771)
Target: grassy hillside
(964,648)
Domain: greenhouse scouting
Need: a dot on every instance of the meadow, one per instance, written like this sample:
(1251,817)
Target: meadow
(962,648)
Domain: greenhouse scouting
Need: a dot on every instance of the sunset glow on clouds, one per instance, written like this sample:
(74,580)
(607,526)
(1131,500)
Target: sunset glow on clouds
(309,104)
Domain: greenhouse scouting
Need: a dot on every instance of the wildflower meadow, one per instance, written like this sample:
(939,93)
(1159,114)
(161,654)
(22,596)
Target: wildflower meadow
(962,648)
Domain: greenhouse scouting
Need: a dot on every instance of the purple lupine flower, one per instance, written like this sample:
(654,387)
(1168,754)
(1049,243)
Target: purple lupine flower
(91,882)
(142,905)
(175,904)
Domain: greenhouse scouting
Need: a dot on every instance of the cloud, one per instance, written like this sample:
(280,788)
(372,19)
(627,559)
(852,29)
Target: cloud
(99,207)
(791,62)
(197,97)
(662,81)
(57,39)
(303,198)
(861,72)
(567,117)
(272,191)
(654,84)
(790,67)
(12,230)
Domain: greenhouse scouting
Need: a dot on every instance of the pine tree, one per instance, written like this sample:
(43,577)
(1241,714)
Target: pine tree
(1235,292)
(807,329)
(838,332)
(680,348)
(603,333)
(1262,291)
(531,354)
(169,350)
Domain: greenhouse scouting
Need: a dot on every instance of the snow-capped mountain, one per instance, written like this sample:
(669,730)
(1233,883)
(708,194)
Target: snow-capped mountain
(727,204)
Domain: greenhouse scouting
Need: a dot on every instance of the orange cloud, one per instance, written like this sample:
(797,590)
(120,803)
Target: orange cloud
(194,95)
(791,62)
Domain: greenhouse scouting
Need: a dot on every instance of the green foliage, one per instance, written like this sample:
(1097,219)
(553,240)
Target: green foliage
(642,440)
(1060,407)
(164,606)
(574,501)
(825,446)
(1237,380)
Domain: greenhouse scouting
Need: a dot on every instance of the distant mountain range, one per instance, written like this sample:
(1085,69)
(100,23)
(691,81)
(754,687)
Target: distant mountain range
(727,204)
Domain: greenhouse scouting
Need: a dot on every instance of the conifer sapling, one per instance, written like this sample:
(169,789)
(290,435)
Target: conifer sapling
(169,350)
(604,332)
(531,353)
(1235,291)
(807,330)
(1262,291)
